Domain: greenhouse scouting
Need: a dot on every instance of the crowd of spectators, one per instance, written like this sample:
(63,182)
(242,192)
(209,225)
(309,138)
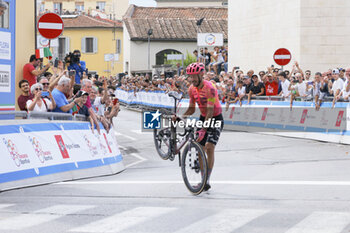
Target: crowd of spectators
(68,89)
(272,83)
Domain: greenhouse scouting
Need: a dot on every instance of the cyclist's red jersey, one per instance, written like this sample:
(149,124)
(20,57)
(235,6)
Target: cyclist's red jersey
(207,96)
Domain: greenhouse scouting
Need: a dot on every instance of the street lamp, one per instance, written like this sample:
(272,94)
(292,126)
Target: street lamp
(199,23)
(149,33)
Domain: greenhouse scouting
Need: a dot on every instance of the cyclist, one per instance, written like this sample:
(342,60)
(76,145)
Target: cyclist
(205,94)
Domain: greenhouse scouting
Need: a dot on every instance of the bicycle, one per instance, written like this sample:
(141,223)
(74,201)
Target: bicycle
(193,162)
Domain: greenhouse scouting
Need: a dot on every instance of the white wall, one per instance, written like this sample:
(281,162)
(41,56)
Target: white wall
(325,34)
(315,31)
(139,52)
(257,28)
(126,48)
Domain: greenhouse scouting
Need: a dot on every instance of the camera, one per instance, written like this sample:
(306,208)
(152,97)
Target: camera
(75,57)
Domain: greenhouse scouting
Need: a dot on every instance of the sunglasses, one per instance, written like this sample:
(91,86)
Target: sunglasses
(38,89)
(307,73)
(45,83)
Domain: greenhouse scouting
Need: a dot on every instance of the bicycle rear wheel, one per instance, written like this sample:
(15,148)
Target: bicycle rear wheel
(162,142)
(194,167)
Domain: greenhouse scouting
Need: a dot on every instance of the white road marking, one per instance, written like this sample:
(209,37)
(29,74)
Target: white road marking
(262,182)
(137,131)
(3,206)
(124,220)
(126,136)
(141,159)
(227,220)
(41,216)
(322,222)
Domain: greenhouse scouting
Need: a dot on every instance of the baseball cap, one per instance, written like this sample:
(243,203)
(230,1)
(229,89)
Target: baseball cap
(335,71)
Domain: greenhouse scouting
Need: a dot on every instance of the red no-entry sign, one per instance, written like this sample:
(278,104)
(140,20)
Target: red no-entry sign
(50,26)
(282,56)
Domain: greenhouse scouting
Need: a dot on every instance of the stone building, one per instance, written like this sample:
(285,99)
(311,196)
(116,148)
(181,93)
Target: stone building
(316,32)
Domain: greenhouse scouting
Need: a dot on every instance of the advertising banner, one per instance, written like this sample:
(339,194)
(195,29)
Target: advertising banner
(32,150)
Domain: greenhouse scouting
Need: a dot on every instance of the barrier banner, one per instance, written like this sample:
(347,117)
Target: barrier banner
(32,150)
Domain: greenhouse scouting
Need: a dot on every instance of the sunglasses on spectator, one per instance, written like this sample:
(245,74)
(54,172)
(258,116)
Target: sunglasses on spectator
(38,89)
(308,73)
(45,83)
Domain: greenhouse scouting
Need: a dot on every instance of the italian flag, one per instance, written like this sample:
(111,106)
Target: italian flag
(44,52)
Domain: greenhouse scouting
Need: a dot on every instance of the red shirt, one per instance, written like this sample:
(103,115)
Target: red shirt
(27,73)
(22,101)
(271,88)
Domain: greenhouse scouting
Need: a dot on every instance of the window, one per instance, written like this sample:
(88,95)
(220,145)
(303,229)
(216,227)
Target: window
(89,45)
(63,47)
(79,6)
(5,17)
(101,6)
(42,7)
(57,8)
(118,46)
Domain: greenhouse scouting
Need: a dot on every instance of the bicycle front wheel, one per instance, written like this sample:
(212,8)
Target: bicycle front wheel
(162,142)
(194,167)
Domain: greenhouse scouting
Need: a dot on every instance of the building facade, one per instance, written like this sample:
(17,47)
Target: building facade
(17,43)
(97,39)
(174,31)
(314,31)
(114,9)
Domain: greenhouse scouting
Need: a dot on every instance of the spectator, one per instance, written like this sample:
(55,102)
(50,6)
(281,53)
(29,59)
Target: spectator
(25,95)
(247,82)
(30,73)
(345,91)
(179,69)
(46,92)
(86,86)
(218,60)
(3,7)
(337,85)
(59,95)
(38,103)
(241,93)
(316,91)
(250,74)
(256,88)
(307,75)
(198,56)
(207,57)
(261,75)
(80,108)
(77,65)
(284,84)
(271,84)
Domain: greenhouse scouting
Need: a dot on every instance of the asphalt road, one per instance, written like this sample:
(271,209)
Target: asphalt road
(260,183)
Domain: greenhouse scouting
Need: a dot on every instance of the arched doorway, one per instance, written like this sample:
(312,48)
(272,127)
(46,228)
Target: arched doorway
(161,57)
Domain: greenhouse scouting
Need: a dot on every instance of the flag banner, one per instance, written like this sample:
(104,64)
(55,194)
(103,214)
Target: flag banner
(43,52)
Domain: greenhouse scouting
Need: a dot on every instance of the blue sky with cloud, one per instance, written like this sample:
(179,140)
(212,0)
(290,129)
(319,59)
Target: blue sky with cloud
(143,2)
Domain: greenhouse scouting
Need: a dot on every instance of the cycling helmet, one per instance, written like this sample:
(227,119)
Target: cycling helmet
(195,68)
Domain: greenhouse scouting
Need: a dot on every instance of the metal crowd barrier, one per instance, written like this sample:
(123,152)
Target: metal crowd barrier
(44,115)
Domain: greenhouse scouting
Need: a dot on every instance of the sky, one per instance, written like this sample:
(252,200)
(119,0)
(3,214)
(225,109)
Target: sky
(143,2)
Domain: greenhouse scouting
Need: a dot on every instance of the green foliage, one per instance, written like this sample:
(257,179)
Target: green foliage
(188,60)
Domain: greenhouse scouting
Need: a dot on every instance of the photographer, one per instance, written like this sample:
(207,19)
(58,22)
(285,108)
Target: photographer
(77,65)
(39,103)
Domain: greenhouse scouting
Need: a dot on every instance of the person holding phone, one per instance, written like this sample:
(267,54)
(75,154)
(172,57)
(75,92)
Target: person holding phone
(38,103)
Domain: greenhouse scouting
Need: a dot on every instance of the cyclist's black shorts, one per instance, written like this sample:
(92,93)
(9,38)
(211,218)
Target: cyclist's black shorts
(213,133)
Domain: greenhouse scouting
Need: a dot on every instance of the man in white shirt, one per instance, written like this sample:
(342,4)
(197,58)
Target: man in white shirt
(337,86)
(285,85)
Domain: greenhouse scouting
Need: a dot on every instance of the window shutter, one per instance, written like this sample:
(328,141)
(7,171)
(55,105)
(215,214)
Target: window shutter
(67,45)
(83,40)
(95,45)
(118,49)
